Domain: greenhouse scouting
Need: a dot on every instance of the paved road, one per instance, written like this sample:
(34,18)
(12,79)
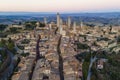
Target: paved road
(18,50)
(2,48)
(90,66)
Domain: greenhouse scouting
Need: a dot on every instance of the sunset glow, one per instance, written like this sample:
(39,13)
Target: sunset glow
(60,5)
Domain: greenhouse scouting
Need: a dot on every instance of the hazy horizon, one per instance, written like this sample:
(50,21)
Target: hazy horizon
(62,6)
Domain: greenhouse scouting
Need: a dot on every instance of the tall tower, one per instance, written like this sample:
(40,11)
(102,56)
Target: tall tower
(60,27)
(50,26)
(74,27)
(81,24)
(61,21)
(37,25)
(58,19)
(69,21)
(45,20)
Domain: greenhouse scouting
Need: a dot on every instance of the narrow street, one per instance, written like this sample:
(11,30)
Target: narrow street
(37,48)
(60,60)
(37,56)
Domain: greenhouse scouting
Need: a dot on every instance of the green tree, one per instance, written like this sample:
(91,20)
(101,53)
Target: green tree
(118,39)
(10,46)
(13,30)
(85,68)
(2,27)
(42,25)
(30,25)
(2,43)
(82,46)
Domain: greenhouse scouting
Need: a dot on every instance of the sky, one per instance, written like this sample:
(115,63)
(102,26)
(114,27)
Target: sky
(60,5)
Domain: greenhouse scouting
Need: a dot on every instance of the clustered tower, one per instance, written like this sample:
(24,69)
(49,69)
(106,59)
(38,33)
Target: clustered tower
(74,27)
(69,22)
(60,24)
(45,20)
(58,20)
